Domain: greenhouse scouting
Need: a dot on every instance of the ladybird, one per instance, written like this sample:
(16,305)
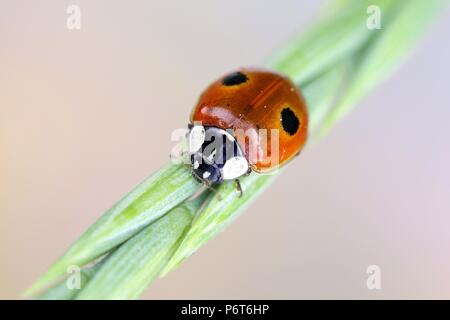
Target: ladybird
(248,120)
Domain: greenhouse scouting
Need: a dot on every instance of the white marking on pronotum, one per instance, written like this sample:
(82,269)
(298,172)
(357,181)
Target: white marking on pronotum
(196,138)
(196,164)
(206,174)
(234,168)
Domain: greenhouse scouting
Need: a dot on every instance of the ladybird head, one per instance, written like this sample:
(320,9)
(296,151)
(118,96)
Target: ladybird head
(215,155)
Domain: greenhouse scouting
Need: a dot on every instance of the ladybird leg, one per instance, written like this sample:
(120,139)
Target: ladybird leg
(207,185)
(239,187)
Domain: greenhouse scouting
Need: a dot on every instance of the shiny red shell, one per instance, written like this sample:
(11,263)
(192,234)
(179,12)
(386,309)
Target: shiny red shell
(255,100)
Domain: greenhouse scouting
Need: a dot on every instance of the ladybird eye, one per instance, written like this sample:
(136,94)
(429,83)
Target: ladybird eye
(289,121)
(235,78)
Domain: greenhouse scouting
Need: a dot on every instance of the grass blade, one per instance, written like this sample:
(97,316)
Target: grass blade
(139,260)
(340,32)
(62,291)
(153,198)
(217,214)
(387,48)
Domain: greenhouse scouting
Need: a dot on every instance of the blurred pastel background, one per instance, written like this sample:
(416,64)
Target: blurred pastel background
(85,115)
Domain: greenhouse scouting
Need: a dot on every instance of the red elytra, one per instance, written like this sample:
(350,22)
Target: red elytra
(258,101)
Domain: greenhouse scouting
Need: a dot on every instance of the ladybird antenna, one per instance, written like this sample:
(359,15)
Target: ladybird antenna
(216,193)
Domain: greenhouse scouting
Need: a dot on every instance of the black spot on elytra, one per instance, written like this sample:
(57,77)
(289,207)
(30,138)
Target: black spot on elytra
(289,121)
(234,79)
